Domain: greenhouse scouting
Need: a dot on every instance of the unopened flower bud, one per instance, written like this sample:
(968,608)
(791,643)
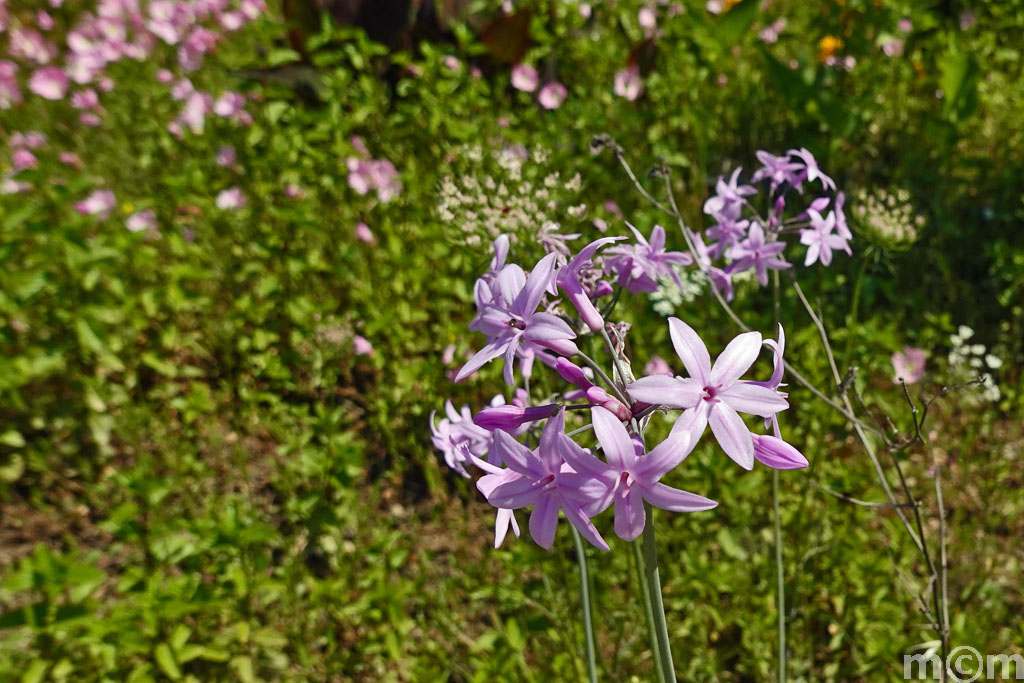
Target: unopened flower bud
(510,417)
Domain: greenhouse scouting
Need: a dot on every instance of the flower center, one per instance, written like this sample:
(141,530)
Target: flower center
(709,394)
(516,324)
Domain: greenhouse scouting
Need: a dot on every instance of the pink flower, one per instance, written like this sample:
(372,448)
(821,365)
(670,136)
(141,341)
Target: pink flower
(70,159)
(231,198)
(22,159)
(909,365)
(99,203)
(628,83)
(50,83)
(893,48)
(294,191)
(10,91)
(452,63)
(647,19)
(228,104)
(713,395)
(657,366)
(524,77)
(905,25)
(552,95)
(362,346)
(226,156)
(364,234)
(164,76)
(141,220)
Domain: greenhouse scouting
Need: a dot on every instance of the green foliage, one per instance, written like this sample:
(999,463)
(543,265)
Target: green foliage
(200,479)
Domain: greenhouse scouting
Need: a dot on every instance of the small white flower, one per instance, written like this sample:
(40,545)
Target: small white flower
(993,362)
(965,332)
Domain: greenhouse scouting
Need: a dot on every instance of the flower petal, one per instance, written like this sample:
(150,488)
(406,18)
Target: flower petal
(515,455)
(544,520)
(629,514)
(674,392)
(691,350)
(733,436)
(550,450)
(675,500)
(586,528)
(501,523)
(664,457)
(531,294)
(515,493)
(547,327)
(753,399)
(737,358)
(777,454)
(615,442)
(511,280)
(482,357)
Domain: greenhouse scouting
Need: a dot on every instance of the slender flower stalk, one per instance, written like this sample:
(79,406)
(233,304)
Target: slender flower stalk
(588,620)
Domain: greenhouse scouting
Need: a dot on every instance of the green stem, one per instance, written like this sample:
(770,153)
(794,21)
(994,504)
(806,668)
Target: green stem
(657,605)
(780,577)
(588,626)
(648,610)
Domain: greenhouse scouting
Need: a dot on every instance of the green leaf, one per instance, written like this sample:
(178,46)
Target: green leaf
(736,22)
(959,83)
(165,660)
(12,438)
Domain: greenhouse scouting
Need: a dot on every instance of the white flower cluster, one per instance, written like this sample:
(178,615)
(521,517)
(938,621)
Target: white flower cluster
(670,297)
(968,360)
(888,217)
(507,191)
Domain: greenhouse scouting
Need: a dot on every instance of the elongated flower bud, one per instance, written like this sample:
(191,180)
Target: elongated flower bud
(777,454)
(572,373)
(511,417)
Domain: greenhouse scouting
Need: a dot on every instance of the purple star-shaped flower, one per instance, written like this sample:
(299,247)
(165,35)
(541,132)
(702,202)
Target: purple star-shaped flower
(630,477)
(640,266)
(755,253)
(811,168)
(820,239)
(540,478)
(511,319)
(716,393)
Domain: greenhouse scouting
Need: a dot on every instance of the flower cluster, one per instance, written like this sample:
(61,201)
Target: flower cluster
(510,192)
(888,218)
(973,361)
(524,317)
(365,174)
(56,58)
(746,239)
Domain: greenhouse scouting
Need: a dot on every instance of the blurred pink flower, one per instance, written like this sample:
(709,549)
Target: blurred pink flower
(226,156)
(909,364)
(905,25)
(524,77)
(50,83)
(99,203)
(10,91)
(657,366)
(231,198)
(552,95)
(22,159)
(362,346)
(647,19)
(141,220)
(364,234)
(628,83)
(70,159)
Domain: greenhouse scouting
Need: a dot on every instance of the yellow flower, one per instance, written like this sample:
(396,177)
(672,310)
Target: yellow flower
(828,47)
(127,207)
(729,5)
